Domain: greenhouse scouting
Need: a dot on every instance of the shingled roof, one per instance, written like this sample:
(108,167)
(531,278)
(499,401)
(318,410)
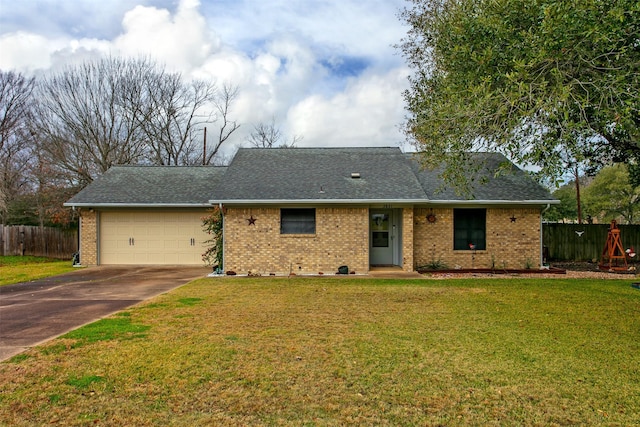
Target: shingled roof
(309,176)
(317,175)
(386,175)
(512,184)
(159,186)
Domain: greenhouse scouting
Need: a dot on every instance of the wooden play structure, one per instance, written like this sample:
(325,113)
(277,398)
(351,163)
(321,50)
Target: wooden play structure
(614,257)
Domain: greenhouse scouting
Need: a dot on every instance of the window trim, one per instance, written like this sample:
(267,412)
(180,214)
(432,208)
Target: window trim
(473,216)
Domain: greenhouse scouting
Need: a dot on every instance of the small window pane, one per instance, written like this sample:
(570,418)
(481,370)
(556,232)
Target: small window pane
(380,239)
(298,221)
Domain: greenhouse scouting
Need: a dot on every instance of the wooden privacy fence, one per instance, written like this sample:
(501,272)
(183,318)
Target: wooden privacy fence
(38,241)
(584,242)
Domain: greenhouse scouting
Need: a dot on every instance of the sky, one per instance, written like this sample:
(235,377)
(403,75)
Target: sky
(322,70)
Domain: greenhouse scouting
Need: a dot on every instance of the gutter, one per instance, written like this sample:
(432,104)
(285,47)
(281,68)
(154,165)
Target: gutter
(138,205)
(381,201)
(312,201)
(223,240)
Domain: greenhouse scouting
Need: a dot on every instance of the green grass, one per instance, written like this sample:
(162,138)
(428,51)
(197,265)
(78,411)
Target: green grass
(114,328)
(84,382)
(344,351)
(16,269)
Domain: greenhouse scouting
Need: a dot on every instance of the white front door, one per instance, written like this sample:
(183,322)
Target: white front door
(381,237)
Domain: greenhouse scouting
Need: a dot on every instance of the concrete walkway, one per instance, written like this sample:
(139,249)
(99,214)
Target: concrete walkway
(34,312)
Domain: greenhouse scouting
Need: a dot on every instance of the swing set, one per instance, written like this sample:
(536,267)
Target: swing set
(614,257)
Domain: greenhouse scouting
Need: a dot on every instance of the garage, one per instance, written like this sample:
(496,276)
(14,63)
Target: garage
(152,237)
(147,215)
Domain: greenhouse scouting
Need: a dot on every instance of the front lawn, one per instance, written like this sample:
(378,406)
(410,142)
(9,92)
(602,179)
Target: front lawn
(16,269)
(344,351)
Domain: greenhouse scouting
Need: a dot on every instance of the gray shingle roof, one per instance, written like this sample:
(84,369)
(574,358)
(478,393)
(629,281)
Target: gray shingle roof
(316,174)
(151,185)
(512,184)
(308,175)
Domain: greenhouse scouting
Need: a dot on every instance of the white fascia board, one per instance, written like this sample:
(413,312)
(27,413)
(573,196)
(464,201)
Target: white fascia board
(316,201)
(137,205)
(384,201)
(493,202)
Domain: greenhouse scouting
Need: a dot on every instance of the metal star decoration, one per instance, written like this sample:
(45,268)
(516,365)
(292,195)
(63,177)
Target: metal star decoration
(513,218)
(251,220)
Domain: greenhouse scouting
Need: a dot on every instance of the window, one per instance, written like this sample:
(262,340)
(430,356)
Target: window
(298,221)
(469,229)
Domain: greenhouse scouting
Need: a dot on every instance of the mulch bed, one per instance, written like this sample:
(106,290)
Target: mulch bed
(568,270)
(550,270)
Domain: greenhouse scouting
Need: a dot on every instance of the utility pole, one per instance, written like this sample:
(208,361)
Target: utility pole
(204,149)
(577,177)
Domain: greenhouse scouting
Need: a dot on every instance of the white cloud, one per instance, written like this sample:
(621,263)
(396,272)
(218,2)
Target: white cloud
(368,112)
(323,69)
(182,41)
(25,51)
(347,27)
(31,53)
(281,74)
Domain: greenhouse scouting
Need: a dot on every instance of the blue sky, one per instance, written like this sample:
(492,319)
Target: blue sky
(325,70)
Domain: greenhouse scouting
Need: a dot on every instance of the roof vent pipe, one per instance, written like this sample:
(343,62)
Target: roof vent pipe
(355,175)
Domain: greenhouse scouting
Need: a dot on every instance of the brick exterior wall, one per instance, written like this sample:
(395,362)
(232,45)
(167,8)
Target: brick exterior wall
(407,240)
(88,237)
(341,238)
(510,244)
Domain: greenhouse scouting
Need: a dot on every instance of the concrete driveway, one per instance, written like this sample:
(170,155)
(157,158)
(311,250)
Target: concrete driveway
(35,312)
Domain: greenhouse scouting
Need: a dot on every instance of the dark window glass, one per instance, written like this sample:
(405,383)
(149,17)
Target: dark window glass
(298,221)
(469,229)
(380,239)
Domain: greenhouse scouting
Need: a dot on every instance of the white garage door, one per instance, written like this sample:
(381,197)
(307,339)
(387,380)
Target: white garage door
(140,237)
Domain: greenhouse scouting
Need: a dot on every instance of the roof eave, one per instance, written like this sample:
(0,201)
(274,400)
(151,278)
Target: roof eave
(496,202)
(137,205)
(378,201)
(313,201)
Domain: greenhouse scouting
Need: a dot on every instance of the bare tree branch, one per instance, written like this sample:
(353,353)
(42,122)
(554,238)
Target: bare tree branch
(268,135)
(89,115)
(223,103)
(16,111)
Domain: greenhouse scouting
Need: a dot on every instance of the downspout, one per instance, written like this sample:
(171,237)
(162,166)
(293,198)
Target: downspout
(79,239)
(541,242)
(223,231)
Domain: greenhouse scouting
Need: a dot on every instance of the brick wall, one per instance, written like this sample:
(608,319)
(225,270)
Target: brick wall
(341,238)
(88,237)
(510,244)
(407,240)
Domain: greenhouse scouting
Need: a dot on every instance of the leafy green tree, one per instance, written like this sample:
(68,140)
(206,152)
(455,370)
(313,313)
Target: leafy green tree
(634,174)
(611,195)
(568,207)
(212,224)
(538,80)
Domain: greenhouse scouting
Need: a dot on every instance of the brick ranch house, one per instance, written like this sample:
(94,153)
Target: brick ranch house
(311,210)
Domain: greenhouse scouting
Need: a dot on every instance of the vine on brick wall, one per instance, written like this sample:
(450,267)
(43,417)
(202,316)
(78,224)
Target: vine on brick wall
(212,225)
